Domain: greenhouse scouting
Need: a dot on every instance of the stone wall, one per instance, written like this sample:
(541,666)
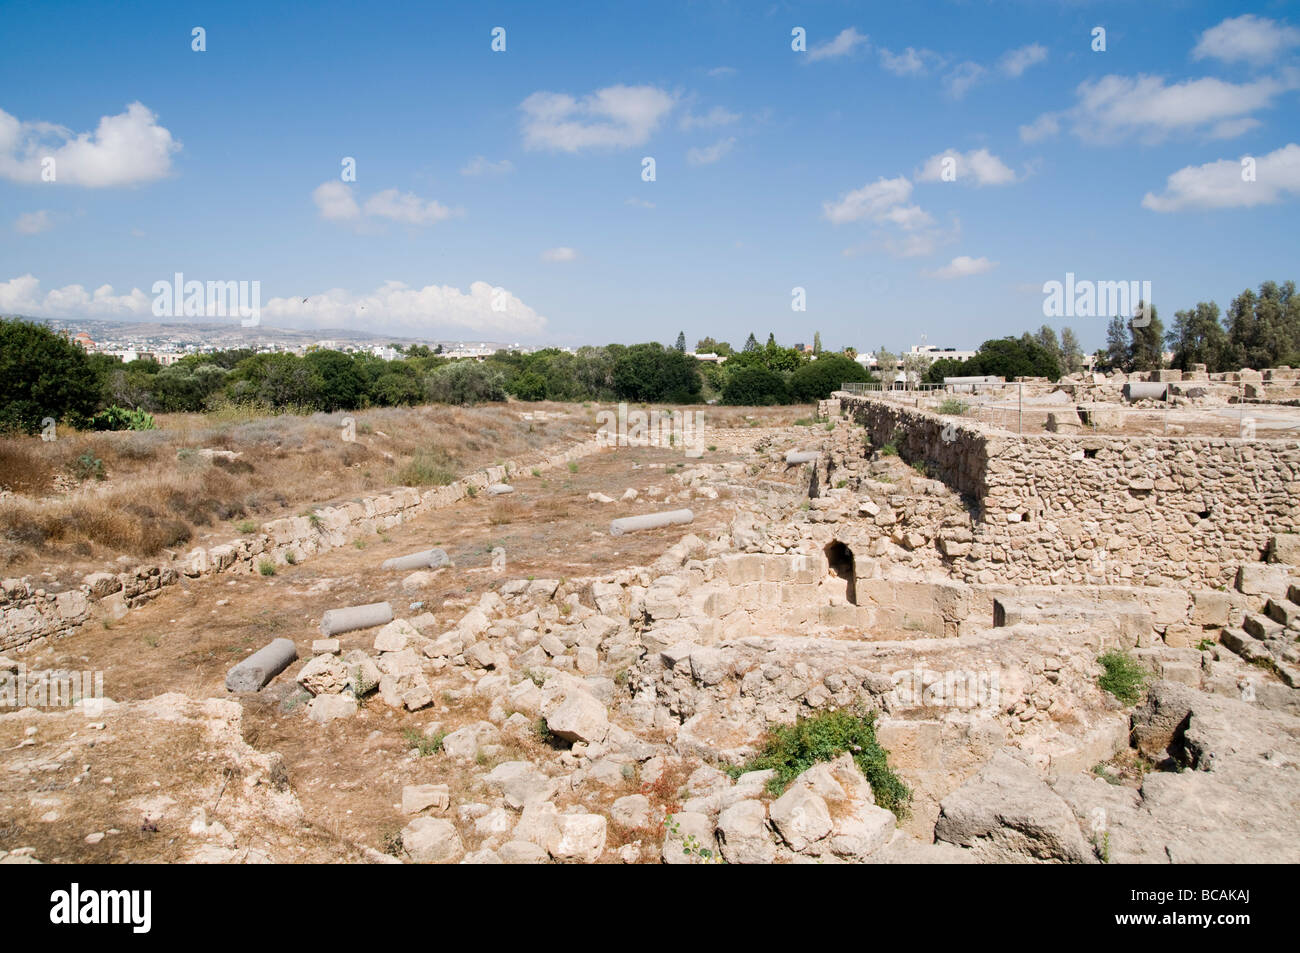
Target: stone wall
(28,612)
(1056,509)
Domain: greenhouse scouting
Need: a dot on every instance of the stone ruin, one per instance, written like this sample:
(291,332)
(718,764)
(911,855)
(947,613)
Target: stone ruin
(959,582)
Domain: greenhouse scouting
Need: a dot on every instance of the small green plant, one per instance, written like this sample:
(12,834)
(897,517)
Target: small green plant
(424,744)
(792,749)
(246,526)
(804,422)
(953,407)
(534,676)
(1101,841)
(266,567)
(87,467)
(620,677)
(291,558)
(920,467)
(536,472)
(889,450)
(543,731)
(713,447)
(316,522)
(573,467)
(359,543)
(691,845)
(1123,677)
(841,484)
(1206,644)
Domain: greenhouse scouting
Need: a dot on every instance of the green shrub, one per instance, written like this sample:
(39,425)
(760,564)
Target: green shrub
(953,406)
(792,749)
(87,467)
(122,418)
(266,567)
(1123,677)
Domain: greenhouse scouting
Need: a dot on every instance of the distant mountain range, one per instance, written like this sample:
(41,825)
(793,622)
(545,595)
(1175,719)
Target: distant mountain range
(224,334)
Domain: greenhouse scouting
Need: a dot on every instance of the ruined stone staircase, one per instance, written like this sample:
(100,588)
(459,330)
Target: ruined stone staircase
(1271,638)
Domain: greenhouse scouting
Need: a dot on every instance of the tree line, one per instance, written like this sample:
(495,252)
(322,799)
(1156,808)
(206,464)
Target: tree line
(44,375)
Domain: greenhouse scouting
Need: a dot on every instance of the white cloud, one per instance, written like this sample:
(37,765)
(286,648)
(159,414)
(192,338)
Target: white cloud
(394,308)
(873,201)
(845,42)
(717,116)
(1246,38)
(481,165)
(963,266)
(910,62)
(722,71)
(33,223)
(613,117)
(1044,127)
(126,149)
(712,153)
(563,253)
(1014,62)
(23,295)
(1115,106)
(406,207)
(1222,185)
(979,167)
(336,202)
(962,78)
(639,203)
(417,312)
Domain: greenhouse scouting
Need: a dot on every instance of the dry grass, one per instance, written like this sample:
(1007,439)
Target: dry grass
(157,493)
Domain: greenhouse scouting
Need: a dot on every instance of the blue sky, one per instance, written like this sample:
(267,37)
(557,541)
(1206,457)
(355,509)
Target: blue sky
(516,176)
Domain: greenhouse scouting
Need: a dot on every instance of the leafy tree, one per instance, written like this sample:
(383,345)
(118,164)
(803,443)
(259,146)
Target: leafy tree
(1119,350)
(681,342)
(817,379)
(710,346)
(42,374)
(1048,342)
(1014,357)
(1198,337)
(1071,353)
(754,385)
(465,382)
(650,372)
(817,343)
(341,386)
(751,343)
(1148,340)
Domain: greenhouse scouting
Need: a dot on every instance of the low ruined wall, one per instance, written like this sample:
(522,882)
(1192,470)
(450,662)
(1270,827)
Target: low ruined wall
(953,450)
(1059,509)
(28,612)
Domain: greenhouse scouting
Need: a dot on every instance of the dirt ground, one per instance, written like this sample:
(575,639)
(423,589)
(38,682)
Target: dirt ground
(347,774)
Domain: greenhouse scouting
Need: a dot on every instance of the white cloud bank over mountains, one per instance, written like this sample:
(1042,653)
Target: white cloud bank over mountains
(394,308)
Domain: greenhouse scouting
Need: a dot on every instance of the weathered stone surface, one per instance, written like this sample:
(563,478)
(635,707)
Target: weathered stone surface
(420,797)
(578,838)
(580,717)
(743,835)
(1008,810)
(432,840)
(801,817)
